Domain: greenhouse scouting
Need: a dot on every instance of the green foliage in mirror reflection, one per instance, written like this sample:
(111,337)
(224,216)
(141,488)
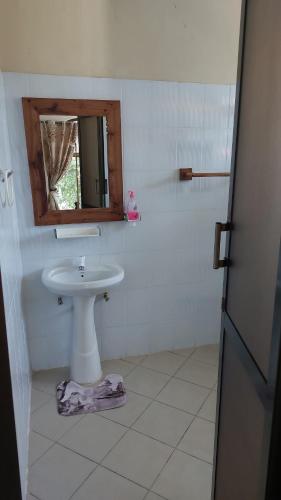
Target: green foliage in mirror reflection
(69,192)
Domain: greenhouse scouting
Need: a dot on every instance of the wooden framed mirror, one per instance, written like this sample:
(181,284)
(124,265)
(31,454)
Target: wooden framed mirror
(75,159)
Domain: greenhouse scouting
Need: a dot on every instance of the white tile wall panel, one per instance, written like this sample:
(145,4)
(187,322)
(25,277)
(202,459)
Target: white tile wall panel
(149,149)
(11,270)
(170,296)
(190,148)
(216,106)
(190,104)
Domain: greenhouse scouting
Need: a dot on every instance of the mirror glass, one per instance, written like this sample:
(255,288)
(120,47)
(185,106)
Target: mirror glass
(75,161)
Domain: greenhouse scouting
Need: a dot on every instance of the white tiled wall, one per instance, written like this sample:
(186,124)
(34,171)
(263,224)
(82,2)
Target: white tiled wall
(11,270)
(171,296)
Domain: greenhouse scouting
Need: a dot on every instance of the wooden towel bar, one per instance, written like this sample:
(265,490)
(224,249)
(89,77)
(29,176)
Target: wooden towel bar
(186,174)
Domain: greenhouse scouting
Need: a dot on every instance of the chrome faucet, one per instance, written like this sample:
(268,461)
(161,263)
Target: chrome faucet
(81,266)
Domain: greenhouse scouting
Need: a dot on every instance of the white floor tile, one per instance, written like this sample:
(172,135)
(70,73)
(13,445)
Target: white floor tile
(186,352)
(117,366)
(127,414)
(183,395)
(184,478)
(153,496)
(47,380)
(207,354)
(163,423)
(139,455)
(57,474)
(198,373)
(38,398)
(93,437)
(145,381)
(138,458)
(37,446)
(49,423)
(199,440)
(165,362)
(106,485)
(208,409)
(136,360)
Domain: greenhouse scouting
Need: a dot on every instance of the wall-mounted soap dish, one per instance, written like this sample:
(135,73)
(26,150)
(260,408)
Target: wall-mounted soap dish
(77,232)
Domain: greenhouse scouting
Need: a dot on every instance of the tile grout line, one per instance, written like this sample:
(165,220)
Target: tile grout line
(174,451)
(194,456)
(70,428)
(30,493)
(128,429)
(173,448)
(100,464)
(150,491)
(83,482)
(163,404)
(51,445)
(189,382)
(169,458)
(75,452)
(186,359)
(164,373)
(158,475)
(146,408)
(140,363)
(160,402)
(171,376)
(203,405)
(196,415)
(41,405)
(184,433)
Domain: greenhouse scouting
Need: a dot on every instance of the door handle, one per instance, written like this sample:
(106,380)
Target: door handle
(219,228)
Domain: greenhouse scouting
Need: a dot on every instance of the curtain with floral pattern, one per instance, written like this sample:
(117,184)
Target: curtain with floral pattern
(58,139)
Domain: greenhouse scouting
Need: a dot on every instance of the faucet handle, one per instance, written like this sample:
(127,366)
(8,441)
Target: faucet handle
(82,260)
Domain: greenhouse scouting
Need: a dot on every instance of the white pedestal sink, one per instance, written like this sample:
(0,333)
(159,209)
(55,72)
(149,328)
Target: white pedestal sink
(83,286)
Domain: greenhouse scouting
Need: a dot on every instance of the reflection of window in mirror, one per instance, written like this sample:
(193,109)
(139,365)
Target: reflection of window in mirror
(75,161)
(93,161)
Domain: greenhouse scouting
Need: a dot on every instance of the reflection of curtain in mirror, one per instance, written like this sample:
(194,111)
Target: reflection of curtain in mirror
(58,139)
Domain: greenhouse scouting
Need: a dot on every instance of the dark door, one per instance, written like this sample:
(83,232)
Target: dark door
(9,465)
(248,417)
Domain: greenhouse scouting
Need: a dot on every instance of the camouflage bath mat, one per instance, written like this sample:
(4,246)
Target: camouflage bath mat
(76,399)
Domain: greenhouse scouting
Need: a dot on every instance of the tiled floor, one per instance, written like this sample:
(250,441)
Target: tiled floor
(158,446)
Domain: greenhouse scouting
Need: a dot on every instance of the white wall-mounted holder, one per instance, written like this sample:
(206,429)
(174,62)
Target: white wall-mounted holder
(6,188)
(77,232)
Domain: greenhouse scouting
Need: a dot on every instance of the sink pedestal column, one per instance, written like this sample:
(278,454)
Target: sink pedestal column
(85,365)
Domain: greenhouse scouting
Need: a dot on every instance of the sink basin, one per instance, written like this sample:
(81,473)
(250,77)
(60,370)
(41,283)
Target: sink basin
(83,286)
(72,282)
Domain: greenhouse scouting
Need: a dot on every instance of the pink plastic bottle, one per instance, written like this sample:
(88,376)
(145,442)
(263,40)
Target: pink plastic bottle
(132,209)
